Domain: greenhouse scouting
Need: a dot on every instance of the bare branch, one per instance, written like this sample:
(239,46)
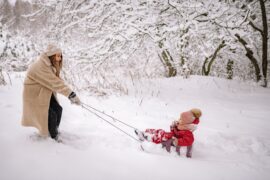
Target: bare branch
(141,30)
(246,17)
(203,14)
(175,8)
(255,27)
(164,10)
(223,26)
(37,13)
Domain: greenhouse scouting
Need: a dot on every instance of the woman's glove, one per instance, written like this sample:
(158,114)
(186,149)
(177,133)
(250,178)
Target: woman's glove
(74,99)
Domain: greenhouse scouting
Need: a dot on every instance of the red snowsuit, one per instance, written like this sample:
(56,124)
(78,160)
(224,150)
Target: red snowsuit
(185,137)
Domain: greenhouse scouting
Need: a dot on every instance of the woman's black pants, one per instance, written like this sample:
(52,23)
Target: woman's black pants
(55,113)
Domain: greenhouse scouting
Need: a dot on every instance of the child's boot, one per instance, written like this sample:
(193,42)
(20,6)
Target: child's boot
(167,144)
(178,150)
(189,151)
(140,134)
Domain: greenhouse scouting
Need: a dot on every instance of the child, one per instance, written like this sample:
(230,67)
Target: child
(180,134)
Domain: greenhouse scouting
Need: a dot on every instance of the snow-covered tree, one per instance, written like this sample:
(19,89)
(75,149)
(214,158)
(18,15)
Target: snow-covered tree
(105,42)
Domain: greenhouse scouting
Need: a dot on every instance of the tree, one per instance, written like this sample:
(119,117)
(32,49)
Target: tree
(112,39)
(2,49)
(230,69)
(6,11)
(264,34)
(260,26)
(249,54)
(167,61)
(208,63)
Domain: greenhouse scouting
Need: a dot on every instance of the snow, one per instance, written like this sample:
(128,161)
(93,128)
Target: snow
(13,2)
(231,142)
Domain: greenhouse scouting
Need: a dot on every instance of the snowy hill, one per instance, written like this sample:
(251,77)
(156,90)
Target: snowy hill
(231,142)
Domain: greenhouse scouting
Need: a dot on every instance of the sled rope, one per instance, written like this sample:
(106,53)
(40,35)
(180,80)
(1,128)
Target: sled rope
(113,118)
(84,106)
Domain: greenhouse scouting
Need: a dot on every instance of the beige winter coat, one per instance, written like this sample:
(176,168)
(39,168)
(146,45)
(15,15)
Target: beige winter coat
(39,84)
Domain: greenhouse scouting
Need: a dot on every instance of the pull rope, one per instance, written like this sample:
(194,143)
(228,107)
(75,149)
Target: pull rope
(113,118)
(84,106)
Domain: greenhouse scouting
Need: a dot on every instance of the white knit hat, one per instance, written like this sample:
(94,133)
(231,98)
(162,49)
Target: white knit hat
(52,50)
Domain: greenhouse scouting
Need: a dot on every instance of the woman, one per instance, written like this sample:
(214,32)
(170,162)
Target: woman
(40,105)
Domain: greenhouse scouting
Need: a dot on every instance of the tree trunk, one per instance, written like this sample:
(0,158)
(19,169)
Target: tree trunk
(264,43)
(206,70)
(2,79)
(167,61)
(230,69)
(249,54)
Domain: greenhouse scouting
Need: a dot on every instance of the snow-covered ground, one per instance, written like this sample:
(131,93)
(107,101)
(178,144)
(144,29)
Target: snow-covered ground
(231,142)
